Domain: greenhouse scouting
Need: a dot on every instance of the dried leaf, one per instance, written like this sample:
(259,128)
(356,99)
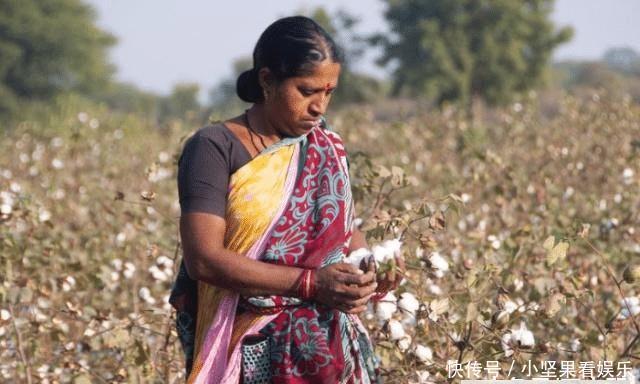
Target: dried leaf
(148,195)
(558,252)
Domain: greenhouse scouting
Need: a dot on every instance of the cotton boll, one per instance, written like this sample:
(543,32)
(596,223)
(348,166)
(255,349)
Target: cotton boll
(404,343)
(386,307)
(356,257)
(381,254)
(438,262)
(393,246)
(408,303)
(396,330)
(423,353)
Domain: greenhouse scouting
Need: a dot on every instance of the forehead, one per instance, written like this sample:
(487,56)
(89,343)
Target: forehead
(325,72)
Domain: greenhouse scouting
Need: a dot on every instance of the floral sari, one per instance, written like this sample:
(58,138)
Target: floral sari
(290,205)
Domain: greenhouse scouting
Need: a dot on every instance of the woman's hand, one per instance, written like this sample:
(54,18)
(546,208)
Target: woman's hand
(345,287)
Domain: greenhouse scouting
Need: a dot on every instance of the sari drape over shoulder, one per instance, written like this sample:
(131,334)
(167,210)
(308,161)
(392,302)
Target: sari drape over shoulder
(290,205)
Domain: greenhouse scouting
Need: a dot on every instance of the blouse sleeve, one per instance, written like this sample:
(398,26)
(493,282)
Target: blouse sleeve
(203,175)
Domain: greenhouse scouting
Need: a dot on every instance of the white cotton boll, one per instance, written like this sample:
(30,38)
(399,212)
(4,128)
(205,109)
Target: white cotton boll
(408,303)
(517,285)
(393,246)
(404,343)
(396,330)
(5,315)
(434,289)
(116,264)
(423,353)
(57,163)
(129,270)
(164,261)
(633,309)
(83,117)
(145,294)
(381,254)
(386,308)
(355,257)
(15,187)
(521,306)
(419,252)
(523,336)
(438,274)
(510,306)
(44,215)
(575,345)
(357,222)
(423,377)
(157,273)
(438,262)
(6,209)
(121,238)
(506,344)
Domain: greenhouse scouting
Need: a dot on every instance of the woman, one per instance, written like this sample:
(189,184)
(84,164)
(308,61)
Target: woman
(267,218)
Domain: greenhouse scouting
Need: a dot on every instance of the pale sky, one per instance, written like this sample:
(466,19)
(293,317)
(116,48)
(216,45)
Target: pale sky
(164,42)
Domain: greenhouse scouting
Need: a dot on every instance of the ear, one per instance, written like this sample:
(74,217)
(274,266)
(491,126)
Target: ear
(265,78)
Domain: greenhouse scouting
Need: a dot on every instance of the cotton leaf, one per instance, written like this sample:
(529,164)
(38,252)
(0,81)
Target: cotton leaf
(549,242)
(557,253)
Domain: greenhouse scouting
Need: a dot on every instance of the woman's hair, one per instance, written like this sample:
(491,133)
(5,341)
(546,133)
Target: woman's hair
(291,46)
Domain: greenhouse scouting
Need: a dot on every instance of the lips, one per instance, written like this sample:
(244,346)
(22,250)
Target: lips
(308,124)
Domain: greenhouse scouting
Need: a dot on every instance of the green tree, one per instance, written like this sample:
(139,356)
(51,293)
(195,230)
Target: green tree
(458,50)
(354,87)
(181,103)
(50,46)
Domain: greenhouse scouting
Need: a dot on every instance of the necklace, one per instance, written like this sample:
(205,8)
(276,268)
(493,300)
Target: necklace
(252,133)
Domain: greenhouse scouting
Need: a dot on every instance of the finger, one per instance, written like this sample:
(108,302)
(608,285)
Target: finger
(372,265)
(363,279)
(348,268)
(347,293)
(357,310)
(361,302)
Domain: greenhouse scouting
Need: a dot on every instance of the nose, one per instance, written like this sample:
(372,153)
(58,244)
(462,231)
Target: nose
(318,105)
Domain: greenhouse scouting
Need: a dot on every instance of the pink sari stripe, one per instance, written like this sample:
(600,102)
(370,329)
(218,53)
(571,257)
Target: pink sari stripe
(216,343)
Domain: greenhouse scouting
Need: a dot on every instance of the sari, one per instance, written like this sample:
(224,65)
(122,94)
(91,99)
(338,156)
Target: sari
(290,205)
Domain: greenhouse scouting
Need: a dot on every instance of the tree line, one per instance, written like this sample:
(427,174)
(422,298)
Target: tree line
(444,51)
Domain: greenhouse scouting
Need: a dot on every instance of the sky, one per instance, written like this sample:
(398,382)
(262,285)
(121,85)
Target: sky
(165,42)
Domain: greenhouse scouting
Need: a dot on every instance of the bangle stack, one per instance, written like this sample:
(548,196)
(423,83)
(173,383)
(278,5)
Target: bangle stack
(307,284)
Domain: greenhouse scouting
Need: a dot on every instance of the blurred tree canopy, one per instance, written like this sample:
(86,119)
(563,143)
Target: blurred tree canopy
(47,47)
(353,87)
(458,50)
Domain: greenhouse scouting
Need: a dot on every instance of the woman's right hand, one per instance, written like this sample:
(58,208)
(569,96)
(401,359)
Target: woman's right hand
(345,287)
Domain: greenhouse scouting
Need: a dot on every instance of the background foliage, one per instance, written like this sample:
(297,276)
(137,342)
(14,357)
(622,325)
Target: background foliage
(519,225)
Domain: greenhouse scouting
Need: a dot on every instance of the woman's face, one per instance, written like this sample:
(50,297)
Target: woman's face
(295,105)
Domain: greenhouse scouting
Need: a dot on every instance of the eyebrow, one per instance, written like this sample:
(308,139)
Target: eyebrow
(318,89)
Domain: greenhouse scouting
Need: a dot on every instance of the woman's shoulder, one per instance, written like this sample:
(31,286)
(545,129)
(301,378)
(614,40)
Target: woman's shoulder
(217,141)
(216,133)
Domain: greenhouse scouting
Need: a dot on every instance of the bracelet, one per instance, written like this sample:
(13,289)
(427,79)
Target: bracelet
(307,284)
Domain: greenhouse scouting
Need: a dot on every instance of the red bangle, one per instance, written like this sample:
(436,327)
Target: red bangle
(306,285)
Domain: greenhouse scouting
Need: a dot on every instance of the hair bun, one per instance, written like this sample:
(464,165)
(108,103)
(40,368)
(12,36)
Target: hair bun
(248,88)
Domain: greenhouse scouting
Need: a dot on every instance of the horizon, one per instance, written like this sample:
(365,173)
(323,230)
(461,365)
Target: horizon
(141,58)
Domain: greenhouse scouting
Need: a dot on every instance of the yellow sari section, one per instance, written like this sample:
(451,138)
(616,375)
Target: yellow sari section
(255,194)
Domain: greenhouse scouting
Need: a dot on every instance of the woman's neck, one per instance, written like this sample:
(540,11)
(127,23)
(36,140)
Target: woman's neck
(261,124)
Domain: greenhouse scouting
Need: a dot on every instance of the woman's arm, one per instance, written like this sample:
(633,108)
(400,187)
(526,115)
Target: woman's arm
(206,259)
